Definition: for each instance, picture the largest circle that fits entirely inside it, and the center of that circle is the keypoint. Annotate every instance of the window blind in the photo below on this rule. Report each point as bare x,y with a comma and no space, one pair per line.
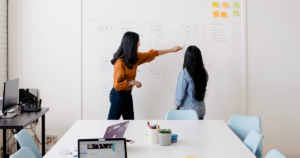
3,44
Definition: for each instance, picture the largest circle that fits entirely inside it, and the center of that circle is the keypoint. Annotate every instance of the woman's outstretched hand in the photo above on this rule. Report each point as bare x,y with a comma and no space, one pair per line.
176,48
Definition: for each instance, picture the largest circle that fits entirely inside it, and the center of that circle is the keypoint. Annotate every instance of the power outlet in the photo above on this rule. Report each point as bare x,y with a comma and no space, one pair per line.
48,138
54,138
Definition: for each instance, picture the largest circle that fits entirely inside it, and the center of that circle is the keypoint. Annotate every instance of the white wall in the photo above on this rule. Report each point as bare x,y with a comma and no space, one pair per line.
273,72
43,36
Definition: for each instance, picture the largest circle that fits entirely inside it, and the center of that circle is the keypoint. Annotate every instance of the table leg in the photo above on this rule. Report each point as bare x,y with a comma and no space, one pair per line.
4,143
18,145
43,135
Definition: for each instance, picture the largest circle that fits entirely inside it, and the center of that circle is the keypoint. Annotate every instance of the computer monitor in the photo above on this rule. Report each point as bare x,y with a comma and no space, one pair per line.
109,147
10,97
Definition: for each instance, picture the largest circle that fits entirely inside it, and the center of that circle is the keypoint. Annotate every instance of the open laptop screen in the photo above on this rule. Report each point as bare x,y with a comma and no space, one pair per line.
102,148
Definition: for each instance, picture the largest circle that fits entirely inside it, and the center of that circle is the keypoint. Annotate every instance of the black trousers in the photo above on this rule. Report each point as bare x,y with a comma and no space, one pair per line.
121,104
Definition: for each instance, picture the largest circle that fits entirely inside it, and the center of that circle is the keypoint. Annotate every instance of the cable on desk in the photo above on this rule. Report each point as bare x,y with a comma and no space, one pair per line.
9,137
33,131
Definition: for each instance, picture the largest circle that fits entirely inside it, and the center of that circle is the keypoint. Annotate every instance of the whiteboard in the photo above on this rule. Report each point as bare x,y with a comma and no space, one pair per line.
162,24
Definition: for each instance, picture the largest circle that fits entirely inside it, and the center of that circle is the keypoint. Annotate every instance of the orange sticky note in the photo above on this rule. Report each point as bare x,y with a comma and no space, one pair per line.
225,5
223,14
191,157
216,14
215,4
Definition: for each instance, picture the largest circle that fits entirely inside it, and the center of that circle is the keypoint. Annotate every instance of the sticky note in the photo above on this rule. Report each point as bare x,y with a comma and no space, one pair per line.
236,13
216,14
236,5
215,4
223,14
191,157
225,5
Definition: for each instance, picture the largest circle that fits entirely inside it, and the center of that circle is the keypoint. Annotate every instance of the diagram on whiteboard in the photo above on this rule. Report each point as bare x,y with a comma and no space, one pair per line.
154,69
163,35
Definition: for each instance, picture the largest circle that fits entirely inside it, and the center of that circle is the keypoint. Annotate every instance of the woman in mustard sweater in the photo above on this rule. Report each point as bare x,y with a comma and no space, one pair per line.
125,61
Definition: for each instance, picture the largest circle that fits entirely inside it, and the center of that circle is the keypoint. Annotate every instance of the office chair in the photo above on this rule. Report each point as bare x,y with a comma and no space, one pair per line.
181,115
25,140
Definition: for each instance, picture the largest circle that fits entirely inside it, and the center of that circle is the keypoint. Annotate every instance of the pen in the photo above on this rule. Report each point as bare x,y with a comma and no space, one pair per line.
182,47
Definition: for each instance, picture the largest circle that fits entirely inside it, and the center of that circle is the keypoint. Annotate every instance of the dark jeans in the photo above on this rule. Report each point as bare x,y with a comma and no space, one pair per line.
121,104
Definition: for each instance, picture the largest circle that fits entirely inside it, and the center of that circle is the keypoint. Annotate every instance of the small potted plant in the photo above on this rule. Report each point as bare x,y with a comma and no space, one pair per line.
165,136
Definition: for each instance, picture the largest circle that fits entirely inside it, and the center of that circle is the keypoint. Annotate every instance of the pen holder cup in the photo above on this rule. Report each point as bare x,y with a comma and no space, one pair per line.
153,136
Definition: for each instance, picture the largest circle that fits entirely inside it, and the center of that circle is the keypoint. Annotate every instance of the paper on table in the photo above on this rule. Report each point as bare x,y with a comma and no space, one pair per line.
223,14
236,5
215,4
195,157
216,14
236,13
187,157
225,5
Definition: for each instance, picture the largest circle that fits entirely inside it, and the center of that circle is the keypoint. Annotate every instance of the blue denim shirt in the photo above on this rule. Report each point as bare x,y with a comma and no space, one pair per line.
185,91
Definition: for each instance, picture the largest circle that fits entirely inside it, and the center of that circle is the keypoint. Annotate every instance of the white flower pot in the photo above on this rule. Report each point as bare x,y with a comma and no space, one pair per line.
165,139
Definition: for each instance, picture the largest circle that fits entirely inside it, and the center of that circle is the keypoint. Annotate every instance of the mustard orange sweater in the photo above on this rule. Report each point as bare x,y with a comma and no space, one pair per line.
122,74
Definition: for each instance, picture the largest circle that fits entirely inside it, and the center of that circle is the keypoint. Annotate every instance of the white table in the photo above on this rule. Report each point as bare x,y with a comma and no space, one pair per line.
208,138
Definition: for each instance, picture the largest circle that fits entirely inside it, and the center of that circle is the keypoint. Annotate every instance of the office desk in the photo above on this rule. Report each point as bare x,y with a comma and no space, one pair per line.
22,120
208,138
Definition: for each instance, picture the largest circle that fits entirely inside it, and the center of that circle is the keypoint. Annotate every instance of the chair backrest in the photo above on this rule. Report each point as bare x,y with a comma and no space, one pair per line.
241,125
181,115
25,140
24,152
274,153
252,140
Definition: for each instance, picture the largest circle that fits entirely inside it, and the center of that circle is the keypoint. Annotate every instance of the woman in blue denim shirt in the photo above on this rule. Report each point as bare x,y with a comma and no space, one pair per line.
192,82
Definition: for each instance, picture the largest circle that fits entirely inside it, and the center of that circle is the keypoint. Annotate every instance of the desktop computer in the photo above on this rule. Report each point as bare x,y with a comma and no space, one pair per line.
10,98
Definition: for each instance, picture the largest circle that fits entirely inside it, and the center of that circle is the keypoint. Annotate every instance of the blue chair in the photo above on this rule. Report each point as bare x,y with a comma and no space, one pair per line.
23,153
252,140
25,140
241,125
181,115
274,153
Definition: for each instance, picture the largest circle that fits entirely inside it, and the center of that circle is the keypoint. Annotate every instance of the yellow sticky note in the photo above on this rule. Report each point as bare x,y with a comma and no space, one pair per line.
236,5
215,4
225,5
236,13
223,14
216,14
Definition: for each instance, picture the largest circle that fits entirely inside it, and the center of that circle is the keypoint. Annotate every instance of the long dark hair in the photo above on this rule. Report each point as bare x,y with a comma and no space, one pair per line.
127,50
194,64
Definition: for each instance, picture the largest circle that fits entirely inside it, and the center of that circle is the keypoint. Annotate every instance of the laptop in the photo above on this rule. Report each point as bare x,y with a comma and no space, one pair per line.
116,131
102,148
